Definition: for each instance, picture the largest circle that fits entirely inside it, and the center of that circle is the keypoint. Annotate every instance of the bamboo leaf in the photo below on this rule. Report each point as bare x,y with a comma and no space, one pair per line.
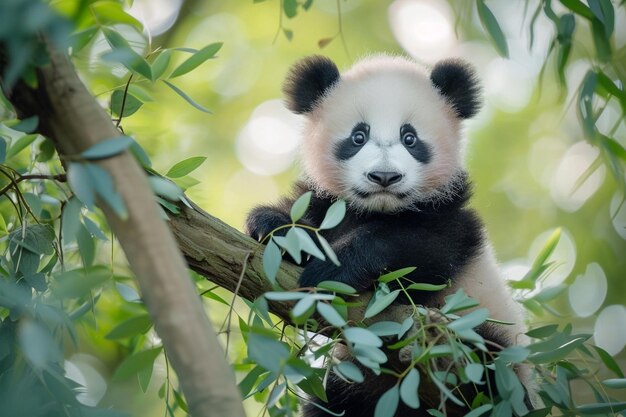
196,59
186,97
185,167
491,25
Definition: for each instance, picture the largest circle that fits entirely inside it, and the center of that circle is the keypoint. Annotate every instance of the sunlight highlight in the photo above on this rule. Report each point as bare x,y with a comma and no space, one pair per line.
267,144
423,28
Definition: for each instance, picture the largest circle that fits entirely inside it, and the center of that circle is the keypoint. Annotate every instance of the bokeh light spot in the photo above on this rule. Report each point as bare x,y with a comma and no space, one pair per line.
157,16
423,28
566,189
267,144
588,291
609,332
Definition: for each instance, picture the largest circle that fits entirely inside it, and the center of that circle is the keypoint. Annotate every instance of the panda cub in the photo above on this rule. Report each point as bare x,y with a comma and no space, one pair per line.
385,136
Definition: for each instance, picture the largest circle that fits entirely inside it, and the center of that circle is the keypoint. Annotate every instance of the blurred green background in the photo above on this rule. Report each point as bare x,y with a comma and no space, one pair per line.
525,152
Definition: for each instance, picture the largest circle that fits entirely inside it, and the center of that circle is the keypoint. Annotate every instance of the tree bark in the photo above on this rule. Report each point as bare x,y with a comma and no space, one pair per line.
217,251
73,119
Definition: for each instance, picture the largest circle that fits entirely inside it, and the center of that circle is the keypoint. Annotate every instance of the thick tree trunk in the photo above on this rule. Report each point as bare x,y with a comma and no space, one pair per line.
73,119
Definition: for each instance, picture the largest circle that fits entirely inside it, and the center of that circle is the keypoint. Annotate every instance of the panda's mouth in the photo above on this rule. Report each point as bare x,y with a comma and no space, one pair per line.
368,194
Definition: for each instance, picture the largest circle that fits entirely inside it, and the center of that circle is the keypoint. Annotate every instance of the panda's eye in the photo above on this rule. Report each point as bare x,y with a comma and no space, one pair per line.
359,138
409,139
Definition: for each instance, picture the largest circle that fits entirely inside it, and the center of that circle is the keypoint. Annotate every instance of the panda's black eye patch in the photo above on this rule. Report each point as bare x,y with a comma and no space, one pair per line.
350,146
416,147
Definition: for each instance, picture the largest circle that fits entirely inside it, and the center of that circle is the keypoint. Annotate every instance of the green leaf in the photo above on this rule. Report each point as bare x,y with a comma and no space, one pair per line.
80,39
603,11
46,151
615,383
102,183
86,245
457,302
543,331
131,103
20,144
185,167
608,361
94,229
186,97
271,354
474,372
38,239
290,7
284,295
165,188
38,344
601,408
409,389
328,250
77,283
578,7
303,309
125,55
112,12
271,261
469,320
394,275
427,287
196,59
160,64
3,149
140,155
28,125
601,41
479,411
336,286
514,354
550,293
334,215
380,302
314,387
307,244
135,363
490,23
330,315
299,206
144,377
349,371
131,327
559,353
127,292
388,403
291,244
108,148
288,34
358,335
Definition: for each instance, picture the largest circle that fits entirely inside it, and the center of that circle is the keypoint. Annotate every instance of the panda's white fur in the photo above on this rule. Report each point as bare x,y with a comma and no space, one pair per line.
386,93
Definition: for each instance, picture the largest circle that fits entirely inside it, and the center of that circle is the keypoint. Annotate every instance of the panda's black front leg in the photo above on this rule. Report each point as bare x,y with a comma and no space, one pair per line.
263,220
362,260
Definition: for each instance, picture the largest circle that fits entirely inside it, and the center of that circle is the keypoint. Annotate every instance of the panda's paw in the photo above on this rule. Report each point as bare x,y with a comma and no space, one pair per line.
264,220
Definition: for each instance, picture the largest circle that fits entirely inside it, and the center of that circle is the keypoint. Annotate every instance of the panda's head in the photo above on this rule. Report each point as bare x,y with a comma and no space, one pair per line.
385,134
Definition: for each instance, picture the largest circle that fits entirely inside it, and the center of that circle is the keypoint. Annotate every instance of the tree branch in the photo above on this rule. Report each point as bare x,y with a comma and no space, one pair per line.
217,251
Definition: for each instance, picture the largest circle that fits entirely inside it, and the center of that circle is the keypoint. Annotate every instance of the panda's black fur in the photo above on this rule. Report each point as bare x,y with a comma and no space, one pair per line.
432,229
369,243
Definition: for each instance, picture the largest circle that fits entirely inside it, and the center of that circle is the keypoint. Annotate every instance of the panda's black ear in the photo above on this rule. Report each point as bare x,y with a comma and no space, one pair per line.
456,80
307,82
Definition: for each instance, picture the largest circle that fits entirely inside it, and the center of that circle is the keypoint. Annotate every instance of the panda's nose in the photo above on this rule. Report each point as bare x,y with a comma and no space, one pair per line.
384,178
